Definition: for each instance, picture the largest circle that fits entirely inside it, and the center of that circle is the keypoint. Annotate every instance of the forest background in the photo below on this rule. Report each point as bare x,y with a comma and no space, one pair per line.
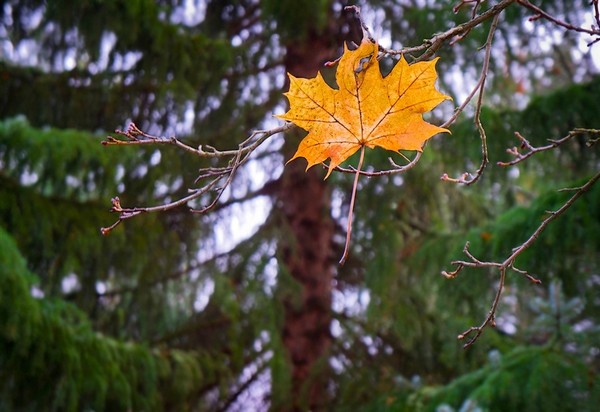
244,307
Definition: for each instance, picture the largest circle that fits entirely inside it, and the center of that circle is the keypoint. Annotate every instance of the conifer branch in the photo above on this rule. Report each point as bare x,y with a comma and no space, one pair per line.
244,386
173,276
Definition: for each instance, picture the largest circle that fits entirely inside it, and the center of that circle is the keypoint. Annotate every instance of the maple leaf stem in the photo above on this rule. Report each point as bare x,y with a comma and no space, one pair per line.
352,199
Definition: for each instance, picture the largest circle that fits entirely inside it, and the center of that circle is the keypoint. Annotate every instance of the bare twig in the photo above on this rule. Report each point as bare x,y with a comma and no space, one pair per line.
466,178
519,156
509,262
430,46
596,16
128,213
539,13
476,4
134,136
396,167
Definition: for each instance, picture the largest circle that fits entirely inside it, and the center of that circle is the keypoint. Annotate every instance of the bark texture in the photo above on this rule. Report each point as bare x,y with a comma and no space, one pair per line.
307,253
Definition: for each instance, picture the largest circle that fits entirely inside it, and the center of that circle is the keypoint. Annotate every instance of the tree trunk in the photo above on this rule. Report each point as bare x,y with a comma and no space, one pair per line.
303,198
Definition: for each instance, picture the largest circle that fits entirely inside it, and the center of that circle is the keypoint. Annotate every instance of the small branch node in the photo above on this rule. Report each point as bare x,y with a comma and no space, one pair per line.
454,273
116,204
466,178
106,230
535,17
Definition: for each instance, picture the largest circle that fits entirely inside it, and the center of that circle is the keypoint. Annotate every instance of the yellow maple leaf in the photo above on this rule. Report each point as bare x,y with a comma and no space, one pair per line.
366,110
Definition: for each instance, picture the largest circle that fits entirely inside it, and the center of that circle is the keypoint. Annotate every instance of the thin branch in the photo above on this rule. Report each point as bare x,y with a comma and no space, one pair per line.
509,262
455,9
596,15
128,213
237,162
466,178
396,167
134,136
531,150
476,4
539,13
430,46
491,316
552,215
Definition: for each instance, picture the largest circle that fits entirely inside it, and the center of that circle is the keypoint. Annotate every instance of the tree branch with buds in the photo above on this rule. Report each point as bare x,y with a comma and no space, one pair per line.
216,178
520,156
509,262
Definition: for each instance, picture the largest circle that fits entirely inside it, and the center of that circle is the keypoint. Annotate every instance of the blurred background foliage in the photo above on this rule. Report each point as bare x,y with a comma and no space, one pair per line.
175,311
